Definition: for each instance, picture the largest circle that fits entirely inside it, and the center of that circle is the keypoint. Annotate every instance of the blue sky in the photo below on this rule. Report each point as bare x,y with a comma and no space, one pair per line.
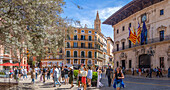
90,7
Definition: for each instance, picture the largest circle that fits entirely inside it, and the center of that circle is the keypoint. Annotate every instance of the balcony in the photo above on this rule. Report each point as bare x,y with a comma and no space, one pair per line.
85,48
150,41
79,39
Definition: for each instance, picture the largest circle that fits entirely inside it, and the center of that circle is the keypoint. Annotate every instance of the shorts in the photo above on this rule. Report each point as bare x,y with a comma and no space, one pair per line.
83,80
118,85
66,76
80,78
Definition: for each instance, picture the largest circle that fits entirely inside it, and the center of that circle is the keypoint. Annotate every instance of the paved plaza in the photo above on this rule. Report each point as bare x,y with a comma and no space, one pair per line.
131,83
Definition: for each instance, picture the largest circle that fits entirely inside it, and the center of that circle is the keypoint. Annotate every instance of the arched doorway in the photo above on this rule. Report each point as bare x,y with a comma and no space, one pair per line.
144,61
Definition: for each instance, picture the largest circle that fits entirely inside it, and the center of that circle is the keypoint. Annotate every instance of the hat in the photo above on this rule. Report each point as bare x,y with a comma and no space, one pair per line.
71,67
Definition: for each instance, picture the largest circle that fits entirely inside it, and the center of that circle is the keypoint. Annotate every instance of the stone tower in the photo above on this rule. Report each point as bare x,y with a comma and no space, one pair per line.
97,23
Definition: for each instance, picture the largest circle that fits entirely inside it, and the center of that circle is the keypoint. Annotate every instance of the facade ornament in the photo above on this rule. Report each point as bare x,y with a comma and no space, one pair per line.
123,55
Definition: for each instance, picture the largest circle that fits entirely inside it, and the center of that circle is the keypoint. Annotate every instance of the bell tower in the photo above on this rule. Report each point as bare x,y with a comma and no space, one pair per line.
97,23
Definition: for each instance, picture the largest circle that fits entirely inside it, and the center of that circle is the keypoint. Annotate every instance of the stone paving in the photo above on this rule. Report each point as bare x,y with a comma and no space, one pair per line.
131,83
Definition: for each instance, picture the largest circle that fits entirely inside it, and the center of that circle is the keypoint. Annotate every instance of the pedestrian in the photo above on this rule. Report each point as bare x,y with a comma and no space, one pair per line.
81,69
89,76
59,68
108,74
83,79
137,70
99,72
147,71
36,72
20,73
62,74
48,73
56,76
11,73
140,72
66,75
117,78
71,76
150,73
132,70
24,71
33,76
16,74
169,72
44,73
41,74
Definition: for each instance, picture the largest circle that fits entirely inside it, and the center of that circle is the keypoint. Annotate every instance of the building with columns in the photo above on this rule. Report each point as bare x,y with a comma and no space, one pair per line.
155,52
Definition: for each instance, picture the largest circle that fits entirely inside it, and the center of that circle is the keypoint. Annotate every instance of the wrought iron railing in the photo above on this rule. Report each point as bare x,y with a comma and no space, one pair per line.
150,41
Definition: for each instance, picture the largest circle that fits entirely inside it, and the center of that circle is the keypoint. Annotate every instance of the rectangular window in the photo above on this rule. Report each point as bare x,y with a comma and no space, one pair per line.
123,45
129,25
82,37
130,63
82,45
68,61
89,45
82,61
117,31
75,37
161,62
162,35
89,38
162,12
123,28
117,47
75,45
75,61
75,31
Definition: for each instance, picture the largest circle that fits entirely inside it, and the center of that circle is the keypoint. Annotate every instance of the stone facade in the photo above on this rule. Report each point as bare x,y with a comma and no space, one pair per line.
157,48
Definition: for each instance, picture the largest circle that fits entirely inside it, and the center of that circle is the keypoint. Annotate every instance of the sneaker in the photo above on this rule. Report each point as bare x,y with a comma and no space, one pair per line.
59,85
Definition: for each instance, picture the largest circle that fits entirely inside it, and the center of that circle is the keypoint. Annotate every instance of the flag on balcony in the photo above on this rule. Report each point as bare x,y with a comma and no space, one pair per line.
144,34
138,33
132,37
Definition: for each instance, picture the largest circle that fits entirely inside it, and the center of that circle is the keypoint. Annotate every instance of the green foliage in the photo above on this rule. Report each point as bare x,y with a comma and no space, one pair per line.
94,77
76,73
33,25
2,73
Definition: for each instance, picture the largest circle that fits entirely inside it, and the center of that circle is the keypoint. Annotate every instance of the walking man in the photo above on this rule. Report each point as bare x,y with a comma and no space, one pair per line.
108,73
56,75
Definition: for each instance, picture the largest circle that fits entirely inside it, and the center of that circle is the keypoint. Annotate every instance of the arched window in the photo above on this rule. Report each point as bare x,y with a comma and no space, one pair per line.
82,54
89,54
75,53
75,37
82,31
89,62
68,44
68,53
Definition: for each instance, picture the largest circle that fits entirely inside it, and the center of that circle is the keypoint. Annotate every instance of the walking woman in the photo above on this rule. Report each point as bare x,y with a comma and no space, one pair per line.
89,77
83,79
118,76
11,73
48,73
99,84
70,74
62,74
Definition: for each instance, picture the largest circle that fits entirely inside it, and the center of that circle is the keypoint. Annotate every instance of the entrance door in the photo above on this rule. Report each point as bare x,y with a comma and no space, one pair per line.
144,61
123,64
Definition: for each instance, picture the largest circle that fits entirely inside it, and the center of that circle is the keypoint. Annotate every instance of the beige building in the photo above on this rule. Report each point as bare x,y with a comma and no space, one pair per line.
155,52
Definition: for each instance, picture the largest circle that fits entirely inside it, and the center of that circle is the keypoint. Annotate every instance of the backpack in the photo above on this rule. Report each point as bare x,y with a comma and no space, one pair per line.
66,71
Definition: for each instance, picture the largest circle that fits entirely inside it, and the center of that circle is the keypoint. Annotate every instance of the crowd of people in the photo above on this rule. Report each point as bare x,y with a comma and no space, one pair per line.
65,75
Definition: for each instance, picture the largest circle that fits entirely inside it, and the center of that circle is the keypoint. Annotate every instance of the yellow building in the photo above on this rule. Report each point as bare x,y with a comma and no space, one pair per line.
85,45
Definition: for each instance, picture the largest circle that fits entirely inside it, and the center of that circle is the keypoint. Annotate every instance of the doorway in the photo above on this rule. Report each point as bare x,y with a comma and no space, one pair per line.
144,61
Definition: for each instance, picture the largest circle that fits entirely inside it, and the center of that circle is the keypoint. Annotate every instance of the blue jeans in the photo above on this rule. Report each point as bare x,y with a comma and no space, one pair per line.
48,77
25,75
56,80
36,75
32,80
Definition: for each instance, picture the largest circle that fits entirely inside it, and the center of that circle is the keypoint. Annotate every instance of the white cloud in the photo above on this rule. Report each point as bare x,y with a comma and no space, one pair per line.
107,12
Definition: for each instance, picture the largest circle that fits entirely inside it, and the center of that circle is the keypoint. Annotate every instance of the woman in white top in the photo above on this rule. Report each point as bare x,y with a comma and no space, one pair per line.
99,84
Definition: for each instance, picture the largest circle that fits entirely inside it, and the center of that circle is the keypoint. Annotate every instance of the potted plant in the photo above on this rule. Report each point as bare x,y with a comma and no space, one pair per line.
94,79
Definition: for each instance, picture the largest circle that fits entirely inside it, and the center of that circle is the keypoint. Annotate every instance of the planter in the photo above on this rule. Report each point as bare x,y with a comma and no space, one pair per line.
94,83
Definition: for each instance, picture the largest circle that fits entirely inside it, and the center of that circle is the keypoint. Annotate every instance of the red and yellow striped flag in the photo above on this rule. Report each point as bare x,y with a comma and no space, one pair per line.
138,33
132,36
